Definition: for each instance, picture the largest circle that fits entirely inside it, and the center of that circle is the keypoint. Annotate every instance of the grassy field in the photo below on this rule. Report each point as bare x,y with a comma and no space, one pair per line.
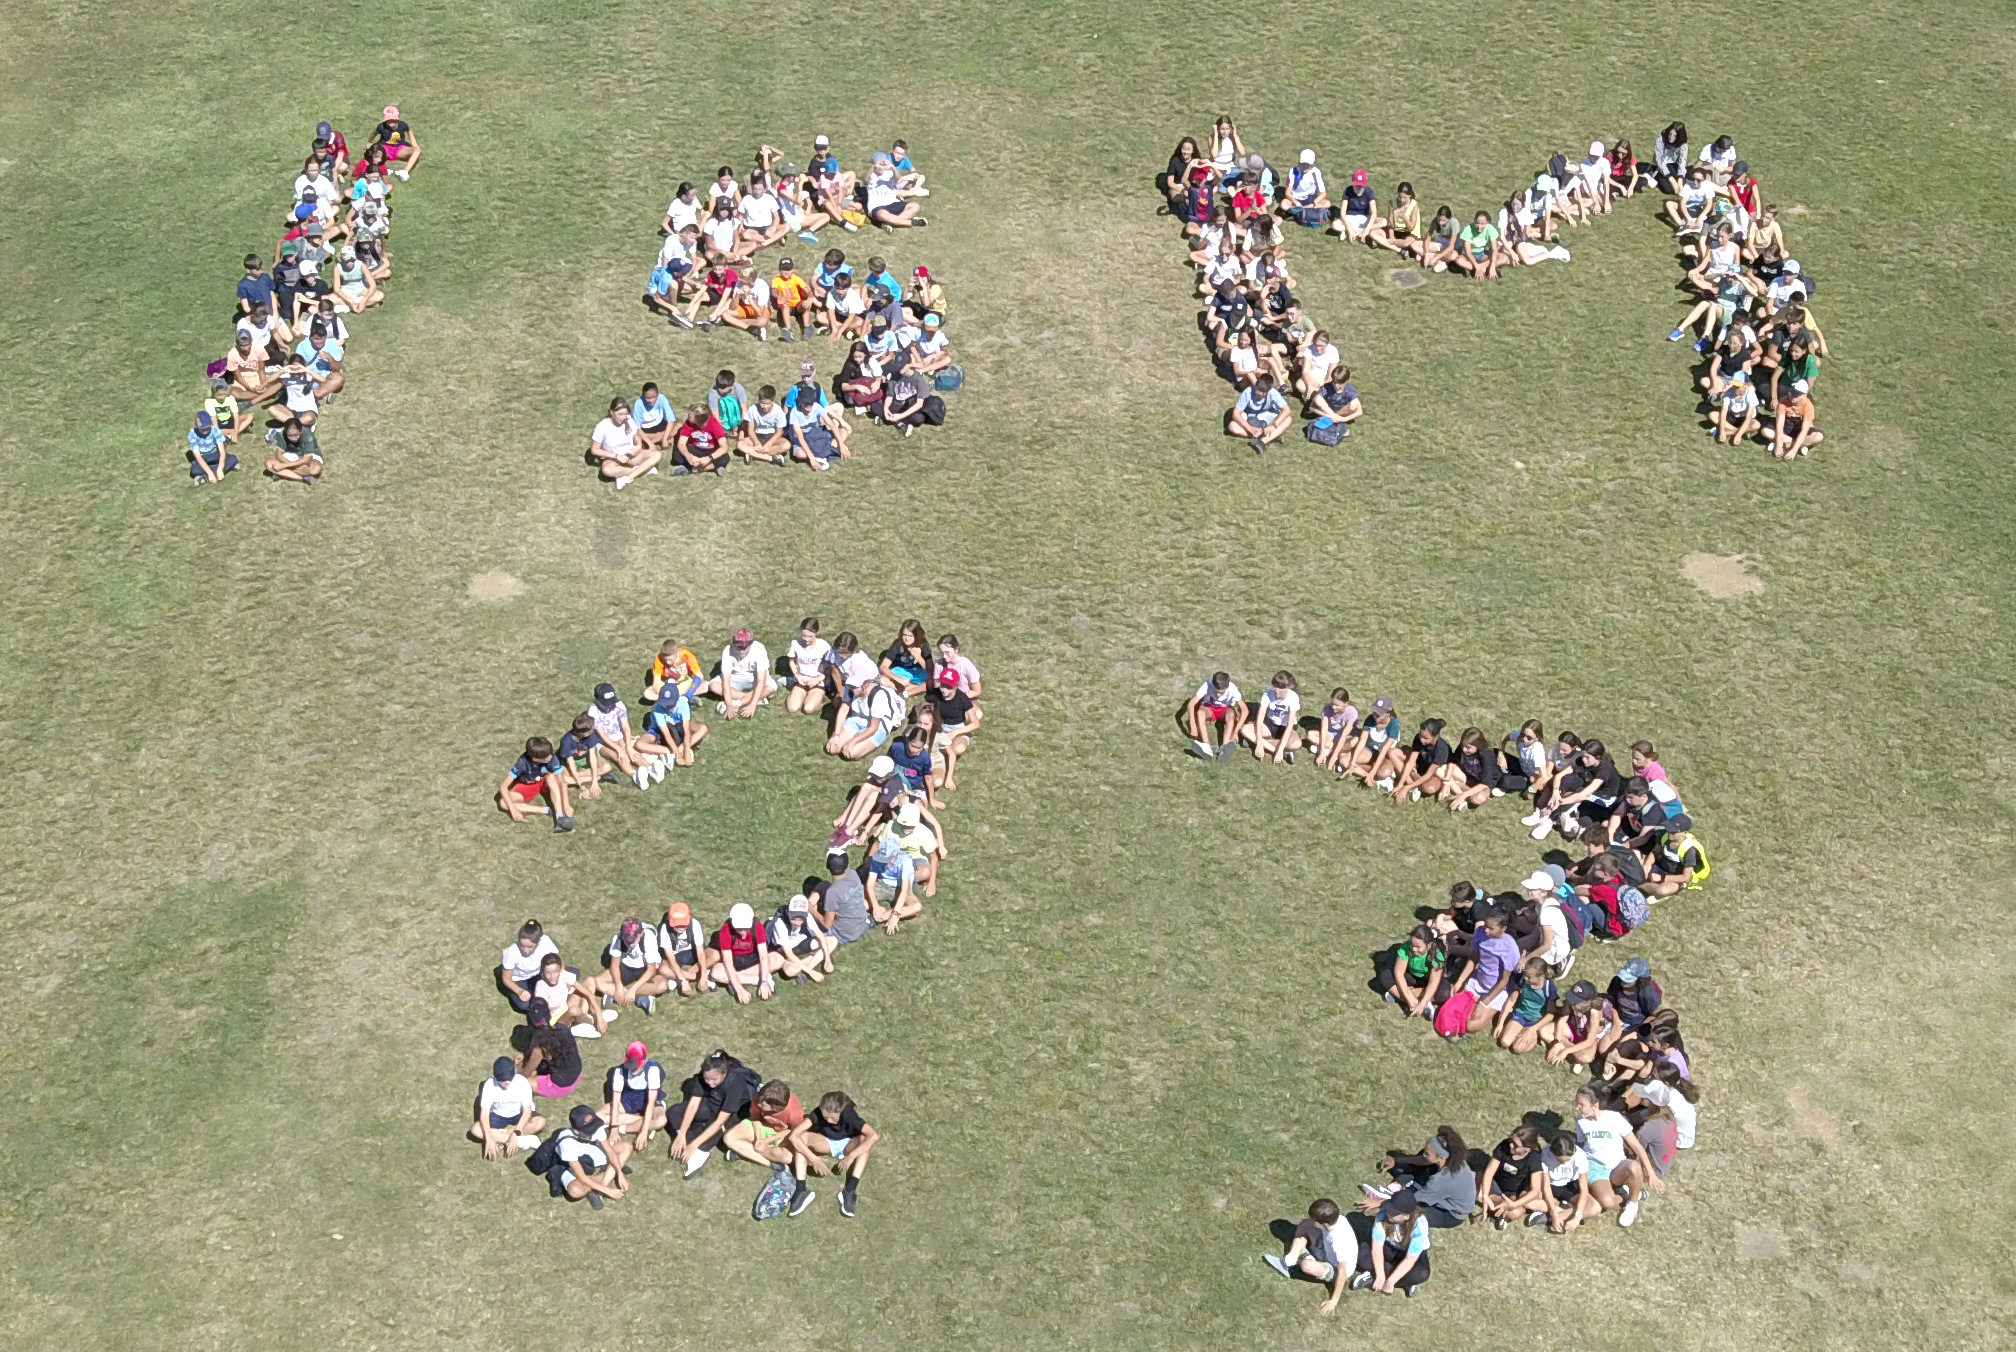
254,887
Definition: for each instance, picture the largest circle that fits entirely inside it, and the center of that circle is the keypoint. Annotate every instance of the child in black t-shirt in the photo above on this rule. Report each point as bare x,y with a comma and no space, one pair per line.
538,773
841,1140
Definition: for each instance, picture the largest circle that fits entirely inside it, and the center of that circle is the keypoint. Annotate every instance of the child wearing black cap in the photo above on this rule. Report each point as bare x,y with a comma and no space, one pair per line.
506,1119
591,1160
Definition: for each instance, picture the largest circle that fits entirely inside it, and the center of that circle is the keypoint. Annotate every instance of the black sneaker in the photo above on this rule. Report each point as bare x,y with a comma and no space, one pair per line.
800,1199
595,1200
1500,1223
1361,1281
1537,1218
847,1203
563,823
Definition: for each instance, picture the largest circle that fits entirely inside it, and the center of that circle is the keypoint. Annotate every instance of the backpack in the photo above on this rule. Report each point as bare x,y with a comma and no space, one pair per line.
949,379
1453,1019
775,1198
933,412
1632,908
1313,217
730,412
1326,431
1578,929
545,1161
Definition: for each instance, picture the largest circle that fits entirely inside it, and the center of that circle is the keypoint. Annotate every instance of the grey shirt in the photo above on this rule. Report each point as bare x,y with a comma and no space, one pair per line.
847,903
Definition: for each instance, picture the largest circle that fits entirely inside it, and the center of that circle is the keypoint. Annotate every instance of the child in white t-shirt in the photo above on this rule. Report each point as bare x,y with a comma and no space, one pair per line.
506,1119
1274,735
807,656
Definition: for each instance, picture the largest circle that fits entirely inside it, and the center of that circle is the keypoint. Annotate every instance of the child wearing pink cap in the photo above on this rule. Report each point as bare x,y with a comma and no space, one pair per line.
395,137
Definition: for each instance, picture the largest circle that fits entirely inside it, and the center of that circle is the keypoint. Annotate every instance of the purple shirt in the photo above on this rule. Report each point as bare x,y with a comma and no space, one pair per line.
1495,957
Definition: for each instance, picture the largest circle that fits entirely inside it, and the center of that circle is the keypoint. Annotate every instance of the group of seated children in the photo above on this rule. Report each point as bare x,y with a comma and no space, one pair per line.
912,715
891,378
293,313
1260,339
723,1106
1615,1148
1753,313
1754,317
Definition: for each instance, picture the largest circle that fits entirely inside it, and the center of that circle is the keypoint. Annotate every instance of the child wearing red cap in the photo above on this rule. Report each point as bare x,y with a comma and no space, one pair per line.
635,1102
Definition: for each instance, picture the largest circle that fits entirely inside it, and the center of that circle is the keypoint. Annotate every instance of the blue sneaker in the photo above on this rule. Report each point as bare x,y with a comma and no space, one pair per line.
808,236
1700,344
1277,1262
1676,335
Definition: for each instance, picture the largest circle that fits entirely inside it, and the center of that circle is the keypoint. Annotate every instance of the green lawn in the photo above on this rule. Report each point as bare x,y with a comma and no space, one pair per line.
255,888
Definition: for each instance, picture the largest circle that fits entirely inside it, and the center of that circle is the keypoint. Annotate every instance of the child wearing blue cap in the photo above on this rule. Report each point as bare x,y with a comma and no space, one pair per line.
209,462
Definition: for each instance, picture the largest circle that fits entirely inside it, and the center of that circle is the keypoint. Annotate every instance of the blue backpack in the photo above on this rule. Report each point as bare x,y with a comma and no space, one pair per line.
949,379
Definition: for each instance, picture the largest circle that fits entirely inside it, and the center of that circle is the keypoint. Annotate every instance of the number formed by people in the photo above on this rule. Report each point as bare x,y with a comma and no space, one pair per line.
1753,323
329,265
897,364
1495,966
910,713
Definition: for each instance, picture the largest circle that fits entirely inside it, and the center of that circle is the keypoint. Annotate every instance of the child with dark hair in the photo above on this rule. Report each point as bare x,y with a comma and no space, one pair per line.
840,1140
538,773
1439,1181
1323,1249
1413,974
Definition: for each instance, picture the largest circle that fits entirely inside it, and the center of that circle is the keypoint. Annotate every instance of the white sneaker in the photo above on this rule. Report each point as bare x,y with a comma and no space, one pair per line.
1497,793
642,778
622,482
402,174
1540,831
657,768
1378,1192
921,192
1414,796
1533,819
1629,1214
611,1016
587,1030
526,1142
652,470
1386,784
695,1160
